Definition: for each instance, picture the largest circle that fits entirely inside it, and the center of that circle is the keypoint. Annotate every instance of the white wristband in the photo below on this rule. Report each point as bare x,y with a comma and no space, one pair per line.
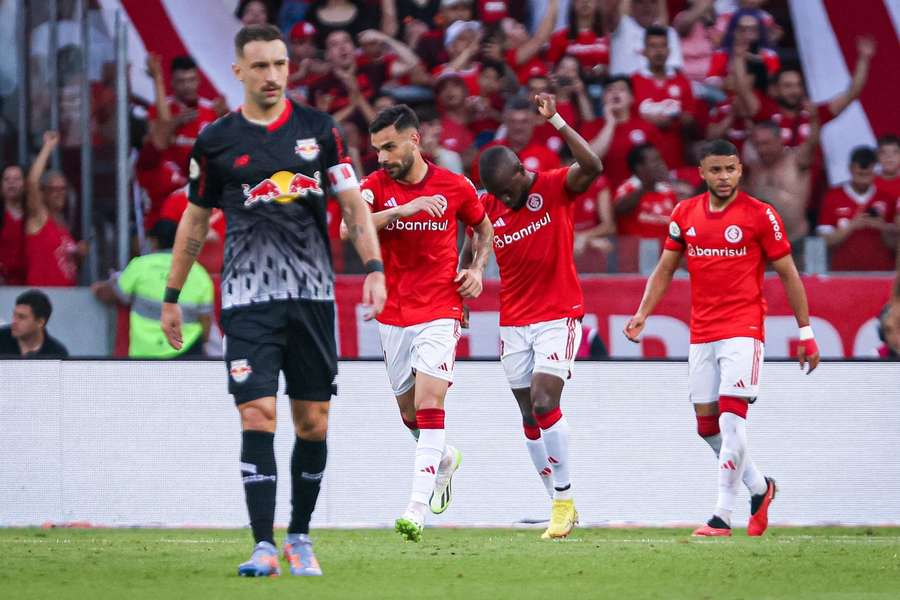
806,333
557,121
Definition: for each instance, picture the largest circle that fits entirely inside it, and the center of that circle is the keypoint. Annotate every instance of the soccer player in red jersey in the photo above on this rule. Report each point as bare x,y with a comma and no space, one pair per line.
728,237
415,207
541,303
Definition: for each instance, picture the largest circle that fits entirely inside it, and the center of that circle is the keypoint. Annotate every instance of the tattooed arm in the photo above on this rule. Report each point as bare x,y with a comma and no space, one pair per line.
189,240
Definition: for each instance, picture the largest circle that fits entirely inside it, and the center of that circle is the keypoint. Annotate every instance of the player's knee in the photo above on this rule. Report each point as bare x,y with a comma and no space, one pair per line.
255,418
543,400
312,429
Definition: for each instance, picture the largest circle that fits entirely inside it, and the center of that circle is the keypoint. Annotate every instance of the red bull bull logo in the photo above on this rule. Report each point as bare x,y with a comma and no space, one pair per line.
283,187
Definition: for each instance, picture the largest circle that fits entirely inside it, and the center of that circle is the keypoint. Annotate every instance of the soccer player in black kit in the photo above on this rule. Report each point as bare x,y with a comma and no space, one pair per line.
270,166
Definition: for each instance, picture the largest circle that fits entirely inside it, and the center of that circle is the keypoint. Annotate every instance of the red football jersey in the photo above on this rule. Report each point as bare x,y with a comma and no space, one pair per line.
51,256
631,133
12,250
650,218
533,246
718,64
739,130
669,97
185,136
590,49
864,249
419,252
586,213
726,257
890,188
795,128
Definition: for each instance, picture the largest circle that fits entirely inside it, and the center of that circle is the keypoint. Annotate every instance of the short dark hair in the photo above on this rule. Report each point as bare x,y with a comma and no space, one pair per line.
242,8
39,303
493,65
638,154
888,139
656,31
182,63
787,68
255,33
718,148
400,117
617,78
494,159
863,157
164,231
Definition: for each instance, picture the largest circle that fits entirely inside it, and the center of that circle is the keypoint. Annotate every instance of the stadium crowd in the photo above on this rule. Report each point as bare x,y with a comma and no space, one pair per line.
645,82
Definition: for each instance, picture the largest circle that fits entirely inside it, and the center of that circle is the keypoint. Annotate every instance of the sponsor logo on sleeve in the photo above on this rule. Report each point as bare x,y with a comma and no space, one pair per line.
193,169
776,228
674,230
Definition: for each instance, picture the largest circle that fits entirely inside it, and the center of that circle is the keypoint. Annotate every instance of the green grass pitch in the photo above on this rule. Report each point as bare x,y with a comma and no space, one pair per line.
158,564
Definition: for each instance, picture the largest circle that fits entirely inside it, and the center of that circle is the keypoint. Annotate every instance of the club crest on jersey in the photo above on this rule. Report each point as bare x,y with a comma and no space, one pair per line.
535,202
674,229
240,370
282,187
307,148
733,234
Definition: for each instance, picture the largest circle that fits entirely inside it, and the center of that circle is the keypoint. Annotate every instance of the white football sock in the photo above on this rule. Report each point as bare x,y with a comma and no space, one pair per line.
538,453
752,477
556,440
429,450
731,462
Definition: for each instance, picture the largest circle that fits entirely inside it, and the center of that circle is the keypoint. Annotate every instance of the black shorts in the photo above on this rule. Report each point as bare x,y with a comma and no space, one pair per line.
294,336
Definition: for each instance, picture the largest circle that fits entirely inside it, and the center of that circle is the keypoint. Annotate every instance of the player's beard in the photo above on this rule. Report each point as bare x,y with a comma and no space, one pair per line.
398,172
715,194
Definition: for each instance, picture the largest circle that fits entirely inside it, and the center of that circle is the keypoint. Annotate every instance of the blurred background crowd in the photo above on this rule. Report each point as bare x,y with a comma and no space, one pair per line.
645,81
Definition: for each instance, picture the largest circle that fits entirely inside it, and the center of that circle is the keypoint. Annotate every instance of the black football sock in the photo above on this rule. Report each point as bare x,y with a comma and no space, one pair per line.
307,469
259,474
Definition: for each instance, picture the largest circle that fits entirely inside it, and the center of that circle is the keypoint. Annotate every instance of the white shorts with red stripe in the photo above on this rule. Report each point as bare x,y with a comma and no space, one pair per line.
547,347
729,367
428,347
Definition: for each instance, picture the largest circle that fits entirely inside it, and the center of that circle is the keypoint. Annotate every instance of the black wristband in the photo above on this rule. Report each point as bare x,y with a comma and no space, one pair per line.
171,295
374,266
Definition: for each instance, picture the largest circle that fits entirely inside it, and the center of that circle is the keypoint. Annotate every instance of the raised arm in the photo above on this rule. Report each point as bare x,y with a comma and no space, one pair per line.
806,153
684,21
656,288
865,50
587,164
544,30
35,209
389,24
796,294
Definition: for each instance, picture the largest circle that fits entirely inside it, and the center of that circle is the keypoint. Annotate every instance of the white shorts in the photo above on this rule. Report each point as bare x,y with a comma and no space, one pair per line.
547,347
428,347
728,367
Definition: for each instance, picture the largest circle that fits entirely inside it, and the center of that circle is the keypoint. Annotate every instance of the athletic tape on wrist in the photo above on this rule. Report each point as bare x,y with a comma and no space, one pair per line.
557,121
806,333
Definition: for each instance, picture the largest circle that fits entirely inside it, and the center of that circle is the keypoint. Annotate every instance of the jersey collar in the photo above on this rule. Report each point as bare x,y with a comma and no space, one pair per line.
278,122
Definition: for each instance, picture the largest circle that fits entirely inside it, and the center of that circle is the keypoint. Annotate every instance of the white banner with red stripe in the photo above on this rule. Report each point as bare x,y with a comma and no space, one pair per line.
826,33
203,29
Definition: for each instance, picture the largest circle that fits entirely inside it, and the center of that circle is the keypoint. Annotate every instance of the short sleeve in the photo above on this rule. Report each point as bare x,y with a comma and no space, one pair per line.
827,214
772,234
471,211
204,183
368,192
557,180
675,240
